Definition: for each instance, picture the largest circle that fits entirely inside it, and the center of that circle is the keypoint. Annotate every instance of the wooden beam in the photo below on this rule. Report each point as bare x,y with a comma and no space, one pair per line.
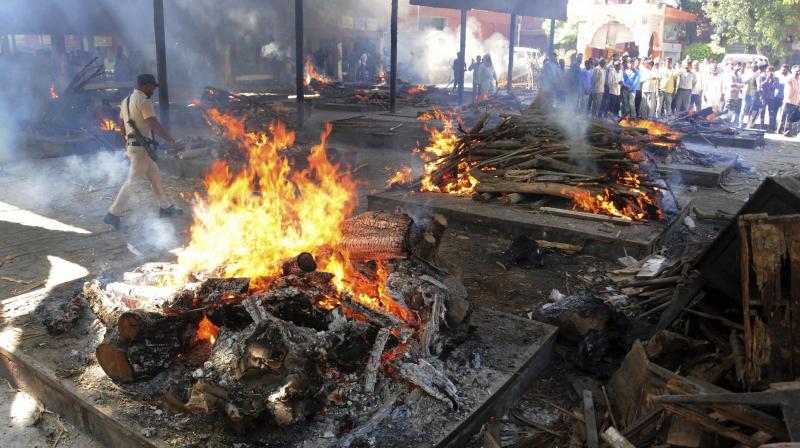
586,216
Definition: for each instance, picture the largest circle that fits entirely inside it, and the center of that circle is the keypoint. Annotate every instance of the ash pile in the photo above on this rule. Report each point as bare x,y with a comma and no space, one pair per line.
295,353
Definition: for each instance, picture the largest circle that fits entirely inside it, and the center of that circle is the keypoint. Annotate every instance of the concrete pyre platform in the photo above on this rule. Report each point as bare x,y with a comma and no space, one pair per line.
503,354
597,238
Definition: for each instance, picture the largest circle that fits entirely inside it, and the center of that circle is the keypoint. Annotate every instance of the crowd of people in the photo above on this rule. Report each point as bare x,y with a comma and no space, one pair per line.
484,76
746,94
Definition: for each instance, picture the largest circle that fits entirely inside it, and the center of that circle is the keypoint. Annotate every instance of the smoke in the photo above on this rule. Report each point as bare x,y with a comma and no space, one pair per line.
427,55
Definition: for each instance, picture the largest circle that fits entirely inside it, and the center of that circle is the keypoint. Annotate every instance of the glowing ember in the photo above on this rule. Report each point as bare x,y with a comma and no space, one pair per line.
440,144
252,220
633,203
417,89
401,177
311,73
108,125
53,93
207,331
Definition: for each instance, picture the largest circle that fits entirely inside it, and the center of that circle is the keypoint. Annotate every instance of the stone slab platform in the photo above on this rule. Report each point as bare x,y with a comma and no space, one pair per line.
597,238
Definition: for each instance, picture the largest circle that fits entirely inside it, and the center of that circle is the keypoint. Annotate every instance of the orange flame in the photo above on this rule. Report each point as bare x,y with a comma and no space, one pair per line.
108,125
635,205
654,128
207,331
440,145
311,73
417,89
53,93
252,220
400,177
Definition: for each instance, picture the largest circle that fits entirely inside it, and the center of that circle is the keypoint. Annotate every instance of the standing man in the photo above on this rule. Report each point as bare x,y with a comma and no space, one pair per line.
791,101
137,116
649,77
733,94
459,68
666,89
586,87
598,87
783,75
550,75
475,68
631,83
614,86
686,82
767,91
697,91
714,93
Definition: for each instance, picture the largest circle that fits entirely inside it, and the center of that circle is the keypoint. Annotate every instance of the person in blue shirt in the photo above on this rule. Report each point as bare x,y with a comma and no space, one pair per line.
631,84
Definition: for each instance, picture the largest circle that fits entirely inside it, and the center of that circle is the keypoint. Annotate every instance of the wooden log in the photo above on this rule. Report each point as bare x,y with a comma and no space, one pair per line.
425,376
141,344
102,304
615,439
378,236
700,418
543,188
299,265
428,246
371,371
590,420
584,215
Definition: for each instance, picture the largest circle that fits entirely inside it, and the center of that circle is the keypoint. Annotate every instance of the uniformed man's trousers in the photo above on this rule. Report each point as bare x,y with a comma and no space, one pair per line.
142,166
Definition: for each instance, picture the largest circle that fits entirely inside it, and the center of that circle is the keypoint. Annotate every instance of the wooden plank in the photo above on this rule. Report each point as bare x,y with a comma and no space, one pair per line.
590,419
585,215
698,417
25,373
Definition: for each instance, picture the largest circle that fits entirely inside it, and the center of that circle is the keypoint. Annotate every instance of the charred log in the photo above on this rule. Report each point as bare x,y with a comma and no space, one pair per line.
299,265
139,344
377,236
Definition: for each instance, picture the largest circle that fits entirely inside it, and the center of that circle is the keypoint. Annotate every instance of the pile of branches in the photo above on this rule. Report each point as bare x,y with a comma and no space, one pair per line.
408,95
543,153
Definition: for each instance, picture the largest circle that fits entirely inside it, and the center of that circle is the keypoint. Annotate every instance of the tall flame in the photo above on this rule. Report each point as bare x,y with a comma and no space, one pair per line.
265,213
250,221
440,145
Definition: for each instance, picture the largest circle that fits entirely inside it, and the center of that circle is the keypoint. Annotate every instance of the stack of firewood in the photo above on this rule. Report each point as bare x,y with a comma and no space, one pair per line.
543,153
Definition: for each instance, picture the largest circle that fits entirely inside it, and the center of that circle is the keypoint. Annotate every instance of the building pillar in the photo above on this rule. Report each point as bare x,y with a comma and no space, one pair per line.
299,65
161,61
463,47
393,62
512,42
552,42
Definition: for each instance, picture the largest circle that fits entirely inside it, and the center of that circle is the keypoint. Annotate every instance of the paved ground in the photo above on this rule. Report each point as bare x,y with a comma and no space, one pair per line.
50,228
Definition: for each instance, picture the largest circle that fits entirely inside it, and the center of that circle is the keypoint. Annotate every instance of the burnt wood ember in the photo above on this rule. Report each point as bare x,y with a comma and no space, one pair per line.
301,264
215,288
141,344
524,251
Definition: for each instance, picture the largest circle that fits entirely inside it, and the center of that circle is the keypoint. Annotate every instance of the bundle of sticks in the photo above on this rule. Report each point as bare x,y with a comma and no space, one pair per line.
260,110
541,152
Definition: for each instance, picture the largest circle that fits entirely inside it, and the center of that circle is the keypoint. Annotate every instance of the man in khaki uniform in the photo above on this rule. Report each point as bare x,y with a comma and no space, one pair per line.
143,114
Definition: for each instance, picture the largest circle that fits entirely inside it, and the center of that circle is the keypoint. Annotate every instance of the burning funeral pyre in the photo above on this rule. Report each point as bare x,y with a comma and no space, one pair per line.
601,167
282,305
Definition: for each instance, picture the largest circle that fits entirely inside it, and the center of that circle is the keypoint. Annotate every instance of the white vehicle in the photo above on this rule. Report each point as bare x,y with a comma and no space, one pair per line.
743,58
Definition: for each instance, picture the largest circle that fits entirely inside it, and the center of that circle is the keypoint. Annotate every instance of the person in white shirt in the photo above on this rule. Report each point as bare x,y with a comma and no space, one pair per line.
713,95
733,94
686,82
614,87
598,88
649,89
697,91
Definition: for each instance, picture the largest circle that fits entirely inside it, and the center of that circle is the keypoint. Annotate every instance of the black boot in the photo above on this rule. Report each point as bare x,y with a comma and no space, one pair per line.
113,220
169,212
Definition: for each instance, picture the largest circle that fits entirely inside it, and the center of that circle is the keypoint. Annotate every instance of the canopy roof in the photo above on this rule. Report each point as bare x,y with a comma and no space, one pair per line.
548,9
